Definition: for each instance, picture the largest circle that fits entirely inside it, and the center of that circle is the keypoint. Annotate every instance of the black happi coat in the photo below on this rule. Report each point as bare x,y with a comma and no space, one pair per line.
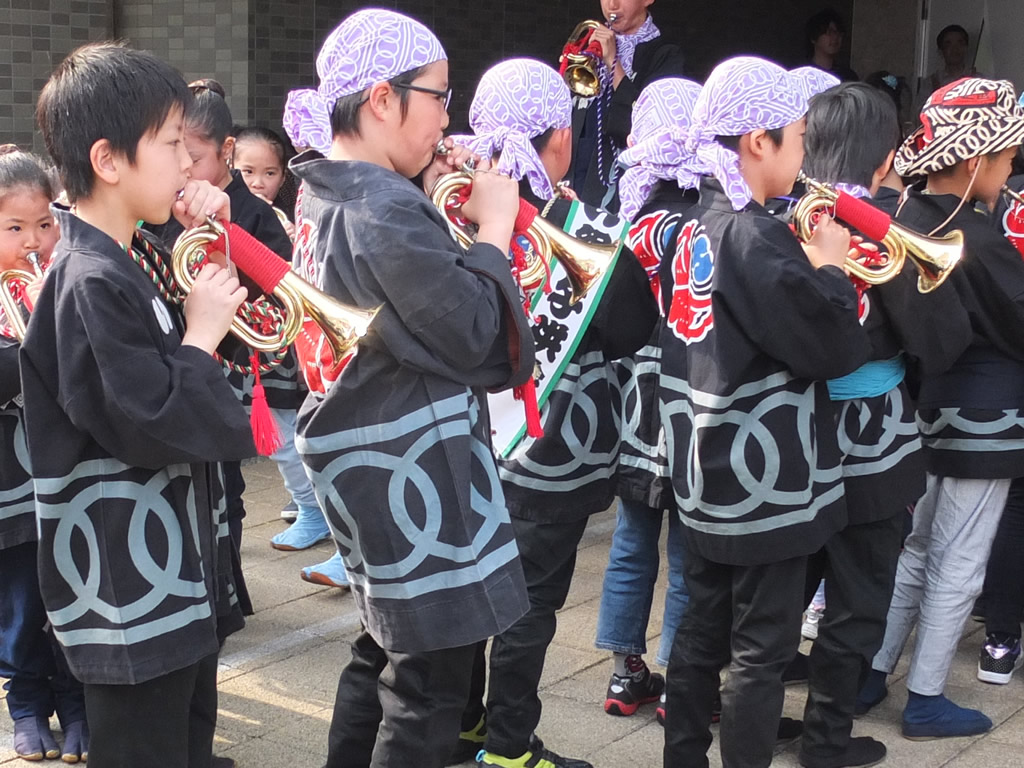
653,60
17,504
751,431
123,422
883,466
643,472
570,472
399,448
972,416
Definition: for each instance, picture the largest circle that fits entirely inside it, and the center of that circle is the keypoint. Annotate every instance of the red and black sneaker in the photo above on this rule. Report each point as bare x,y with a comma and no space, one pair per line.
659,713
627,693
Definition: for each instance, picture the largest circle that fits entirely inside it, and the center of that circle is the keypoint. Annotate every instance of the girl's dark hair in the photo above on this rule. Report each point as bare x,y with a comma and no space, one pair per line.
258,133
23,169
104,91
209,115
818,25
851,129
950,29
733,142
345,115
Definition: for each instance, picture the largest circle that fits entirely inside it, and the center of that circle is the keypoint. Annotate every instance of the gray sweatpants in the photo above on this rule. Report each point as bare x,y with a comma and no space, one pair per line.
940,573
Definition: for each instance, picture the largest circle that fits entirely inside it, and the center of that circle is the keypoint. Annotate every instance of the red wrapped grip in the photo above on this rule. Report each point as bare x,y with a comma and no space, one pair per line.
527,213
863,217
254,259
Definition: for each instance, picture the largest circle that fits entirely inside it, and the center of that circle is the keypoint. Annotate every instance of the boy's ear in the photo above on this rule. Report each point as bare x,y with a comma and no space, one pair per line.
105,162
757,143
883,170
380,98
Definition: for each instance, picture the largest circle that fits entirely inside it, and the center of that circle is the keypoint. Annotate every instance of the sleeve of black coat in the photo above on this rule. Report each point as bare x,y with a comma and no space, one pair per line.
10,376
806,318
664,60
261,222
933,328
144,407
626,316
459,304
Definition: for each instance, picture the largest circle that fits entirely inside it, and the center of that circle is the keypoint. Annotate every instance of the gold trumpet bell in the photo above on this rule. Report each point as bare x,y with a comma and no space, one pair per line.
11,282
579,71
585,264
342,325
934,257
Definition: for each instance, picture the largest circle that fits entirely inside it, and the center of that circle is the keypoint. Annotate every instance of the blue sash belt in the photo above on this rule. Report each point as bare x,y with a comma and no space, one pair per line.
872,379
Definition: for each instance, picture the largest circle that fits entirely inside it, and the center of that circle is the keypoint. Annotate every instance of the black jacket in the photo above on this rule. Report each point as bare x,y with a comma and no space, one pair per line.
653,60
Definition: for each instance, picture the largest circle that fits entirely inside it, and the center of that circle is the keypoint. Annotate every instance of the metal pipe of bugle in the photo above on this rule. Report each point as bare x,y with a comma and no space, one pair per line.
1013,194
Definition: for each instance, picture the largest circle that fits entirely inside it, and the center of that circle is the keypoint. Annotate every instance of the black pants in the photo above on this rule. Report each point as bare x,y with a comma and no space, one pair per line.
1004,579
548,555
168,721
859,568
395,710
747,617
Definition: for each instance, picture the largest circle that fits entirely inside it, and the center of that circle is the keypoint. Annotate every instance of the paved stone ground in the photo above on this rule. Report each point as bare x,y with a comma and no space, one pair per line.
278,676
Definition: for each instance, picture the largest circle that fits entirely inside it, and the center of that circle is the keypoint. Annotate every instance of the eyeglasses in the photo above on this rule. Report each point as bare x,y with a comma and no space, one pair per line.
444,96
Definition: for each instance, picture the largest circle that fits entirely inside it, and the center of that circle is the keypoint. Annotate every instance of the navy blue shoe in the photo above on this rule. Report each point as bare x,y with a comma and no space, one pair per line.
936,717
871,694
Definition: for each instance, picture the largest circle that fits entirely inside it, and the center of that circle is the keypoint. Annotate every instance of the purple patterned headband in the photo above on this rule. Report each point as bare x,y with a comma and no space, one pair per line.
813,81
741,95
661,115
516,101
368,47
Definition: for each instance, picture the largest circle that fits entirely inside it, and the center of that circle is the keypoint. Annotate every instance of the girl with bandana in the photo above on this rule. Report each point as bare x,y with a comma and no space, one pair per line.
634,54
755,325
520,117
397,438
656,192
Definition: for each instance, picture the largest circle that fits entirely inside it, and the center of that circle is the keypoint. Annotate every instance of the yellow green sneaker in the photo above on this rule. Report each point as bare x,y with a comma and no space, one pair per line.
470,743
535,757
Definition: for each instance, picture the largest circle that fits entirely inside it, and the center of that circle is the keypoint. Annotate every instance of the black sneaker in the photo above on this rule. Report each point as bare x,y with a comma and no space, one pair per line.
999,658
535,757
796,671
789,731
626,694
716,710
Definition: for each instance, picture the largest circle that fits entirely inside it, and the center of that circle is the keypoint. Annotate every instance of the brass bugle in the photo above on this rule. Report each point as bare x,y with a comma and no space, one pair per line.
584,263
10,281
933,257
1013,194
341,324
581,72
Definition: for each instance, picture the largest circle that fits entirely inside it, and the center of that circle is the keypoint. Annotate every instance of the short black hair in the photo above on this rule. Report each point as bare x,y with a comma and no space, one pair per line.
104,91
209,115
259,133
345,115
541,141
819,23
733,142
850,130
951,28
23,169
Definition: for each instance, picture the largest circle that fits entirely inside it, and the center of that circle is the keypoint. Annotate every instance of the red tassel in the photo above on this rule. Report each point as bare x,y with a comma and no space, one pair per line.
528,394
265,432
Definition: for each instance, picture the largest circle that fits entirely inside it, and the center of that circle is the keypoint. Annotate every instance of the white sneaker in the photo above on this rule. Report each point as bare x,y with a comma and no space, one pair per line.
809,630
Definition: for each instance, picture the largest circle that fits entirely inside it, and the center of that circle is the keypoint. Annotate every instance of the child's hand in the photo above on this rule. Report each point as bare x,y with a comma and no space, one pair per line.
442,165
606,37
493,206
211,306
200,199
829,245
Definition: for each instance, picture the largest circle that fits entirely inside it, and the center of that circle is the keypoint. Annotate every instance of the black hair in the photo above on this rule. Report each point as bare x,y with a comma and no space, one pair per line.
951,28
258,133
104,91
19,170
208,115
851,129
883,80
818,25
541,142
733,142
345,115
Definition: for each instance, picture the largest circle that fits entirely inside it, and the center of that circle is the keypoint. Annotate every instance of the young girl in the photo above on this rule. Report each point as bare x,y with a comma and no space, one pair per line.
398,446
208,124
260,157
39,682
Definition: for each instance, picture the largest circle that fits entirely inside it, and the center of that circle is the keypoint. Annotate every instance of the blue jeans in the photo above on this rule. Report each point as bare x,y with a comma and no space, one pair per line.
296,481
629,582
39,680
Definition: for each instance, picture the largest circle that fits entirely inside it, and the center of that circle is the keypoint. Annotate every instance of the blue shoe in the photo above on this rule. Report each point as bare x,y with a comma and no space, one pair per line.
309,528
330,573
33,739
76,742
871,694
936,717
